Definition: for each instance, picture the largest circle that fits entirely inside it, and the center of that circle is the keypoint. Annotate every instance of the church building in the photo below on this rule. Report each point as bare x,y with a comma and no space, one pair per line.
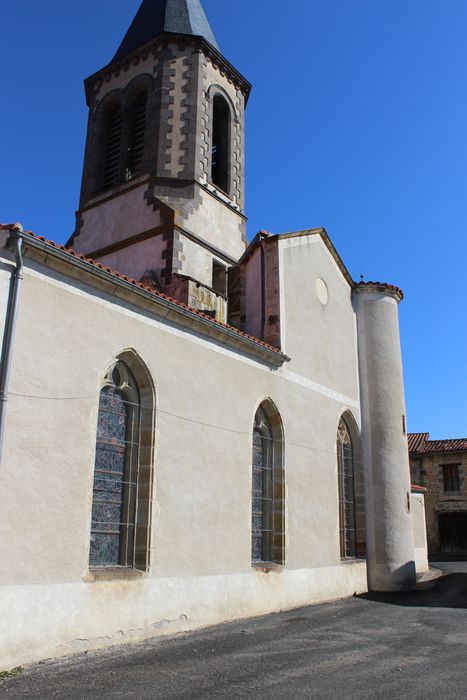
194,428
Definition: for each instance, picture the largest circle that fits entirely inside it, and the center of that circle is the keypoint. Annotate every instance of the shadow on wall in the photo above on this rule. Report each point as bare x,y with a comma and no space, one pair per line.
446,592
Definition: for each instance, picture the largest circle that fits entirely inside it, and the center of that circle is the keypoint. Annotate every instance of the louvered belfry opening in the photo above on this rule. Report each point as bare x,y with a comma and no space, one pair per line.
123,140
113,147
136,136
220,156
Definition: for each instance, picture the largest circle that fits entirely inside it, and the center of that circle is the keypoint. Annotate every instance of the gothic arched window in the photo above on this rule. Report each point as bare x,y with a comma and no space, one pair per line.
220,155
122,471
113,131
346,477
137,130
267,487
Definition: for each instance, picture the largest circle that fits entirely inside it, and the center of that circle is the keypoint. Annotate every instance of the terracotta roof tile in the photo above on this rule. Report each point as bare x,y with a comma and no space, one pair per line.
419,443
398,290
417,440
455,445
74,254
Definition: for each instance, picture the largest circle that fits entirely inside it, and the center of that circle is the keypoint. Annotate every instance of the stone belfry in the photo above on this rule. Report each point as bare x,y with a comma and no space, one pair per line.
162,195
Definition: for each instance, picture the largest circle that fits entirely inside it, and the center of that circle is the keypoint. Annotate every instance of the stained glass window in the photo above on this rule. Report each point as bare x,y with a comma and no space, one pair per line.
347,519
267,493
115,471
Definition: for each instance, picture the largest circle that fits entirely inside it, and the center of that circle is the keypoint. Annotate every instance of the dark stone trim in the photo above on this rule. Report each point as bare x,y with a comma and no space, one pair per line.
117,191
114,68
204,244
132,240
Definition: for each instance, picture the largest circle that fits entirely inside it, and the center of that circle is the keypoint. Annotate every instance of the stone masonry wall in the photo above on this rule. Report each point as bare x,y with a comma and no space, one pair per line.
427,471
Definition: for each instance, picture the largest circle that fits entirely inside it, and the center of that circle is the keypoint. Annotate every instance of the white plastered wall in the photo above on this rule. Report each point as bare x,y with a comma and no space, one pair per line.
417,508
200,574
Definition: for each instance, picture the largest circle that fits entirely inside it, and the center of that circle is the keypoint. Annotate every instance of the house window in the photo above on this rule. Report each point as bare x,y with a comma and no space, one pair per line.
122,484
220,155
267,487
347,514
451,480
113,146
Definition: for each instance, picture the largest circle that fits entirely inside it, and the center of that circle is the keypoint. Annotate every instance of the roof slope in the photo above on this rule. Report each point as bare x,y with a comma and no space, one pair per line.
155,17
91,264
420,443
416,441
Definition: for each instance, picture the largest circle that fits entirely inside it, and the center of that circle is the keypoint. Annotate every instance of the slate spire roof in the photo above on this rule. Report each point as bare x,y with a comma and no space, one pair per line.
155,17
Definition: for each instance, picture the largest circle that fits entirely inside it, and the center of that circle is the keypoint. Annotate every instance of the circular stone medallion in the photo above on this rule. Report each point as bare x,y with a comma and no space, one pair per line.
322,291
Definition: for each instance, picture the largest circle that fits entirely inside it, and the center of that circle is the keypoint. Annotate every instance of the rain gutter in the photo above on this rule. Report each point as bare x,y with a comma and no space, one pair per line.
15,241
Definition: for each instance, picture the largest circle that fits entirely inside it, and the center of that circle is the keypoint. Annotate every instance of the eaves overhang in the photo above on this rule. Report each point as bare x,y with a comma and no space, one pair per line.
267,237
77,266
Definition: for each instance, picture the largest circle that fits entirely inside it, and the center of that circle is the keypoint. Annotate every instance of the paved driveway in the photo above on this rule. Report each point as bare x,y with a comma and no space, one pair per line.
387,646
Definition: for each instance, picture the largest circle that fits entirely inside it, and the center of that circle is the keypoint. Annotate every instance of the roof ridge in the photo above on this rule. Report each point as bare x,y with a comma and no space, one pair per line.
74,254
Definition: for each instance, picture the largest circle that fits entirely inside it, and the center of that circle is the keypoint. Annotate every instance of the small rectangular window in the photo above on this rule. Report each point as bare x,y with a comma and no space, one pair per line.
404,425
219,277
451,479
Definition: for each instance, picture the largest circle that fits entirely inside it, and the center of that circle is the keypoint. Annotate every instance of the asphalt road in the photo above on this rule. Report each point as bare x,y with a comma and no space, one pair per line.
377,646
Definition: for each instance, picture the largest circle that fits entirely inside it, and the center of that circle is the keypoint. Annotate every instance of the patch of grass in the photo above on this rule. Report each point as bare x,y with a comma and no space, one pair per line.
14,672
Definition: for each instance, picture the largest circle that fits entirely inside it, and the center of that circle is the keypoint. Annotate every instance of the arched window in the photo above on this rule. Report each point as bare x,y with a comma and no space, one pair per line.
123,139
113,146
267,487
220,156
345,469
122,470
137,130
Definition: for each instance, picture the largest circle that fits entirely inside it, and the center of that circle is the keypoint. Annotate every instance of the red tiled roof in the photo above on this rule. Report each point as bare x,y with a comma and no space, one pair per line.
417,440
446,445
73,254
398,290
420,443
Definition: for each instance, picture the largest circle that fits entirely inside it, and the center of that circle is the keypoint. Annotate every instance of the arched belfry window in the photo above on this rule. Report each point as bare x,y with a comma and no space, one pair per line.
122,471
137,130
113,131
220,156
346,476
122,138
268,537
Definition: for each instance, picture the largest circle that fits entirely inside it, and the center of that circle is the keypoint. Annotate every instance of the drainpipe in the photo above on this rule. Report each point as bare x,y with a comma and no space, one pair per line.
262,236
15,242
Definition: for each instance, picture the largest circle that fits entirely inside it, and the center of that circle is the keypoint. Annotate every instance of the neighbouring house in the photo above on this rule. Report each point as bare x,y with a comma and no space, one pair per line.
440,467
198,428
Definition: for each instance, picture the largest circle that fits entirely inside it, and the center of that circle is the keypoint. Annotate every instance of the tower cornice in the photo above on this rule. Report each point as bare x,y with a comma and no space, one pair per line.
117,66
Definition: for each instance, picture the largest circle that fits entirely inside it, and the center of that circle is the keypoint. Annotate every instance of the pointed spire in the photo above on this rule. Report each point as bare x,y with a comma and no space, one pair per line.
155,17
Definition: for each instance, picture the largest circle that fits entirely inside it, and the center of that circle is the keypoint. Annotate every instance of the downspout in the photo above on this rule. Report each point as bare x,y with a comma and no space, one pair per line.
16,242
263,285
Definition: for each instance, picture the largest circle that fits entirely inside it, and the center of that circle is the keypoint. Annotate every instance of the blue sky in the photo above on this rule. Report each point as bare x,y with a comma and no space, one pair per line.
357,122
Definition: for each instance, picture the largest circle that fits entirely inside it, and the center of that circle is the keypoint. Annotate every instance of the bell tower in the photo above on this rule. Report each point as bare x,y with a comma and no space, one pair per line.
162,195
